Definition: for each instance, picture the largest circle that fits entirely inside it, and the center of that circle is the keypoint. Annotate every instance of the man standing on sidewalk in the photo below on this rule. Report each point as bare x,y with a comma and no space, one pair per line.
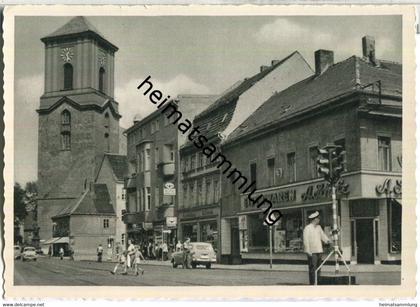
99,251
313,236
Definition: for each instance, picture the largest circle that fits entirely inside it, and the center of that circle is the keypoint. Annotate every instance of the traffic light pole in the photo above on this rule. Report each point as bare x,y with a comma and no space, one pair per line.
336,251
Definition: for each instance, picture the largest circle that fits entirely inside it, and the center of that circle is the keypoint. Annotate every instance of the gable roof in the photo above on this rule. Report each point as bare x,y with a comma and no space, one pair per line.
94,201
341,78
119,165
77,25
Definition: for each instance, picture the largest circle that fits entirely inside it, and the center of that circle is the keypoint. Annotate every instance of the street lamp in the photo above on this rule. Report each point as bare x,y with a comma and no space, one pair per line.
330,164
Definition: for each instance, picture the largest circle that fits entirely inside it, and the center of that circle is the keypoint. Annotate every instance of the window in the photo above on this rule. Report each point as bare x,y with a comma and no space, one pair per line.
102,79
148,199
106,223
342,143
313,157
152,128
157,200
123,194
208,192
384,153
157,125
123,239
185,196
193,162
192,195
147,161
270,172
65,130
394,222
139,166
200,160
171,154
216,190
253,173
107,131
291,167
156,157
200,192
68,76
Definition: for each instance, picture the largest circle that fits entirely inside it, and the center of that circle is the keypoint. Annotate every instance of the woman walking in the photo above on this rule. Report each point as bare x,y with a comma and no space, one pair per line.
123,261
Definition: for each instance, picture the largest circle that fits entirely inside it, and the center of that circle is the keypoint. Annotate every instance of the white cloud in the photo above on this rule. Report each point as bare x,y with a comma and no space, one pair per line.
282,31
132,101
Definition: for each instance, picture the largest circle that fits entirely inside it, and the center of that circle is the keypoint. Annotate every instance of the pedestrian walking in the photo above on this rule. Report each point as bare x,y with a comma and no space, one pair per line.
122,260
164,251
71,253
313,236
61,252
186,254
138,256
99,251
50,252
130,253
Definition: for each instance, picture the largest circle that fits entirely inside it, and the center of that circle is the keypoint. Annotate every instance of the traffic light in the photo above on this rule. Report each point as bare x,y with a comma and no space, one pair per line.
338,160
323,163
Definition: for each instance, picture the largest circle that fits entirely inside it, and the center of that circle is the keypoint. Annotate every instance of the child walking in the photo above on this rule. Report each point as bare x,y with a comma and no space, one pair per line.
121,261
137,256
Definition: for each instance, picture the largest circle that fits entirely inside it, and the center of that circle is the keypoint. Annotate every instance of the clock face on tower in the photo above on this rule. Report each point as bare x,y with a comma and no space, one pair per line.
102,58
67,54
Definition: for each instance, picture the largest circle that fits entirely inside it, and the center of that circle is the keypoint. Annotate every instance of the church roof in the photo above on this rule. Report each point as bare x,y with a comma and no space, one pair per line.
94,201
118,163
78,25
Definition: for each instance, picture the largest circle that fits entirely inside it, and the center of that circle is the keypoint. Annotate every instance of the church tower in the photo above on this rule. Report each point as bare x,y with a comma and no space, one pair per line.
78,116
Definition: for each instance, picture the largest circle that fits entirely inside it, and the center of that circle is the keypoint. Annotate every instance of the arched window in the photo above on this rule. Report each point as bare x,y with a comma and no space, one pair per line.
107,131
102,79
65,130
68,76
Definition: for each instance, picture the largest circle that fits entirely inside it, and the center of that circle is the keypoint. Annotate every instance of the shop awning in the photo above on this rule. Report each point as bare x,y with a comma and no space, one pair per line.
50,241
62,240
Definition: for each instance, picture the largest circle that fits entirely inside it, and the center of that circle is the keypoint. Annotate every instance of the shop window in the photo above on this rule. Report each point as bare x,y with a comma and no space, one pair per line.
353,243
253,173
384,153
190,231
106,223
376,237
394,226
291,167
271,172
209,233
313,157
288,236
258,233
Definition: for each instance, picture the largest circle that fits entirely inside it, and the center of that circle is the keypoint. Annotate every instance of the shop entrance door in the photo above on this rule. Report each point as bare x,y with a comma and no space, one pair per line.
365,241
235,252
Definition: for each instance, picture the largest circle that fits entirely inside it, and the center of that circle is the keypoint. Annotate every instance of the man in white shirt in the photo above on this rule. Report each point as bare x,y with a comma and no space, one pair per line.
313,236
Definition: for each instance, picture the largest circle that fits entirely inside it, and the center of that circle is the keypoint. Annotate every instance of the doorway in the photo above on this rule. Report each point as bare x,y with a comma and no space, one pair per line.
235,244
365,241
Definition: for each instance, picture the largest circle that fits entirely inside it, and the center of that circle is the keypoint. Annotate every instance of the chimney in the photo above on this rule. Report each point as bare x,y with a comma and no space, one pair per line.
368,43
274,62
323,60
264,67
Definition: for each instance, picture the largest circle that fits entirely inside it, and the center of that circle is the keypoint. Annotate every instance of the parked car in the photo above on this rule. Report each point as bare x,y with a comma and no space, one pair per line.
201,253
29,253
17,251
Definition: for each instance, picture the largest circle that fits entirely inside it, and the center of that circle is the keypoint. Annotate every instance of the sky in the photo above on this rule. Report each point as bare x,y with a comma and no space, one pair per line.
186,55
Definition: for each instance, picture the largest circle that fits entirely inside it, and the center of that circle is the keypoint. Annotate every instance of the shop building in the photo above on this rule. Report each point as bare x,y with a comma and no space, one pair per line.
356,103
200,188
151,187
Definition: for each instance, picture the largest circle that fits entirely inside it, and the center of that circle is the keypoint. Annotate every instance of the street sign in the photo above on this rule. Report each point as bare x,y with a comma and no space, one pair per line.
169,189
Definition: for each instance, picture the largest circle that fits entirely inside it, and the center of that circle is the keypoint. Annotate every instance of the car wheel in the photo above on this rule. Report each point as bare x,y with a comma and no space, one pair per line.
35,259
208,265
174,265
194,265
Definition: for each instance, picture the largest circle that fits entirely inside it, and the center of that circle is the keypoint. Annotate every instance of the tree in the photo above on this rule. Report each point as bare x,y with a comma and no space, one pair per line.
19,202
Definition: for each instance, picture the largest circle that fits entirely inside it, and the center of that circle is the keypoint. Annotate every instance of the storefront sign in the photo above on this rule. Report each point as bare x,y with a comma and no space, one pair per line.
389,189
148,226
243,222
169,189
171,221
298,195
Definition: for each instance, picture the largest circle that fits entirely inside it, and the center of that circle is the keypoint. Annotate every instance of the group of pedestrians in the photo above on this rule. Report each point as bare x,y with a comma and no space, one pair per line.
130,258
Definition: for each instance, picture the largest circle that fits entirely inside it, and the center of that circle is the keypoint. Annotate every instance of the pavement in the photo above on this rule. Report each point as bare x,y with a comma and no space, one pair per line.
52,271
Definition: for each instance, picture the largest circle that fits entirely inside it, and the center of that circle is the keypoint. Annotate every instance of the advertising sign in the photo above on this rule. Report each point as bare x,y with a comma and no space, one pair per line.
171,221
169,189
